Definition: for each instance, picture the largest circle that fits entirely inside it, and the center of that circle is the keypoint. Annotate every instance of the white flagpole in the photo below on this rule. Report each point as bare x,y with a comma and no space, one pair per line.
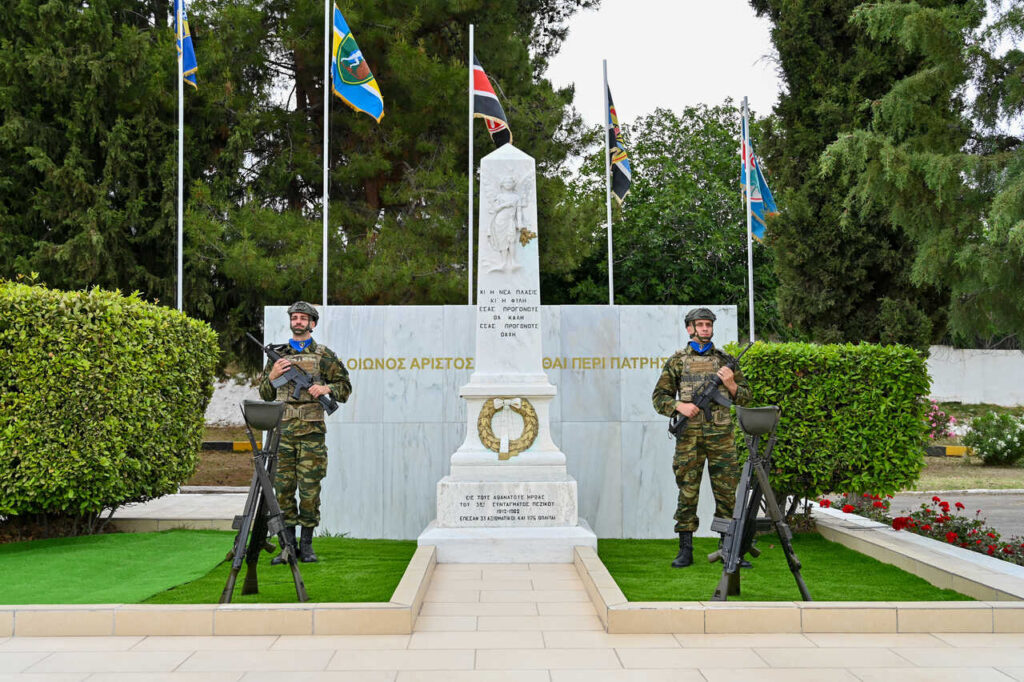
469,260
328,25
181,146
750,252
608,185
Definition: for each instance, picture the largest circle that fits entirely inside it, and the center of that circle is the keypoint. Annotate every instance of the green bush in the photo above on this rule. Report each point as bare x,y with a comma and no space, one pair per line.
853,418
997,438
101,400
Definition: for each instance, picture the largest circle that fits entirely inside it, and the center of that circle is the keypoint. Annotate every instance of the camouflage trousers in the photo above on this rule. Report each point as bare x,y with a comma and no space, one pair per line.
699,444
301,464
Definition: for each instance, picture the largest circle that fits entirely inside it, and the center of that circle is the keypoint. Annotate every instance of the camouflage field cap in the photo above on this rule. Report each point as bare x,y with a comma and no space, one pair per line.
303,307
699,314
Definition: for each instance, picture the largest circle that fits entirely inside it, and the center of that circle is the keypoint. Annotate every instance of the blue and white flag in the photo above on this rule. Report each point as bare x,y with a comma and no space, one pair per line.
762,203
183,38
352,80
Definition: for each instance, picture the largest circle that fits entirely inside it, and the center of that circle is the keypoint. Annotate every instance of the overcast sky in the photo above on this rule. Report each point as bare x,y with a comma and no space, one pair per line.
667,53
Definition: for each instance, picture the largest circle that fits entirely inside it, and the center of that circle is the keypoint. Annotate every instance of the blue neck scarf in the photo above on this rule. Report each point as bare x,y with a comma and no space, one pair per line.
299,346
701,350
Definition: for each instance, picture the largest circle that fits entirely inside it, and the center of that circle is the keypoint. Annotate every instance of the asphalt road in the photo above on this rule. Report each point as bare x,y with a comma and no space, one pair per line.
1003,511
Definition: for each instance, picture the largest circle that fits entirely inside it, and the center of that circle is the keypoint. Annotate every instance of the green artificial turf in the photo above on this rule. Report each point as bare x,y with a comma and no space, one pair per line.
349,570
831,571
114,568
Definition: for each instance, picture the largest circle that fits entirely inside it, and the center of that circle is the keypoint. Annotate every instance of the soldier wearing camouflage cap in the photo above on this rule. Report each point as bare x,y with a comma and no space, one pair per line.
302,455
702,440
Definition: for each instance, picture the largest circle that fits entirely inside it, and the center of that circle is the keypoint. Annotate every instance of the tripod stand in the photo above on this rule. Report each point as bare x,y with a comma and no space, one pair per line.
262,514
753,490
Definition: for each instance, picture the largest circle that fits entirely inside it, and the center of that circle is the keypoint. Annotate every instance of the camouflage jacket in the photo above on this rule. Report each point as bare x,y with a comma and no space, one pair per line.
324,367
683,374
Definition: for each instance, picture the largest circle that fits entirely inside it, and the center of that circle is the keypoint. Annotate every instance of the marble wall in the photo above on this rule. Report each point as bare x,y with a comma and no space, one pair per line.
391,443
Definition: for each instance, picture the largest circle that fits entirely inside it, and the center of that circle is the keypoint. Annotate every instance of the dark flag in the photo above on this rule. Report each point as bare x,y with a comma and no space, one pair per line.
622,174
487,106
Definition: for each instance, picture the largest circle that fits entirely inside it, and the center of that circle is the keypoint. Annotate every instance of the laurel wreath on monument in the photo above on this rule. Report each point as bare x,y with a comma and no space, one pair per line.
492,442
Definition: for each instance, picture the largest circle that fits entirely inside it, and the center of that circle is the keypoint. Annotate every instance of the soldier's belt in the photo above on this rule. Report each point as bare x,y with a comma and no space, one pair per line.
306,412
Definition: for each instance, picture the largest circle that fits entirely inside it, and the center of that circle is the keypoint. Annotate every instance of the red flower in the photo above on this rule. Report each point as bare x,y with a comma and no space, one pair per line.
991,549
866,495
826,503
936,498
978,541
900,522
848,508
951,537
959,505
945,506
1008,549
878,505
991,535
926,527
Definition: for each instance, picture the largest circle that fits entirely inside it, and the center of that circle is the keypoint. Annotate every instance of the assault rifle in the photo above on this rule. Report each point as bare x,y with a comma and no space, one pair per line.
753,490
299,379
705,394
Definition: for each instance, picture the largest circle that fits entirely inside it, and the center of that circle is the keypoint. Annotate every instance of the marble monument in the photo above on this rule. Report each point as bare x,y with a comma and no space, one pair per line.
508,497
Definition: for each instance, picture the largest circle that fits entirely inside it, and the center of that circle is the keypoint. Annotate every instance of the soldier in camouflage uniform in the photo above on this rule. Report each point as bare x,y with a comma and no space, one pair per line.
712,441
302,455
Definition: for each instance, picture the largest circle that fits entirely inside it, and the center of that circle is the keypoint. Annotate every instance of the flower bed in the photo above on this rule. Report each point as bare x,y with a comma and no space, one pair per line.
938,520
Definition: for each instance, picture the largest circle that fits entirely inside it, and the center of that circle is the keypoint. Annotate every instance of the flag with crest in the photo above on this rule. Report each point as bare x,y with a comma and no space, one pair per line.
762,203
622,174
487,106
186,53
352,80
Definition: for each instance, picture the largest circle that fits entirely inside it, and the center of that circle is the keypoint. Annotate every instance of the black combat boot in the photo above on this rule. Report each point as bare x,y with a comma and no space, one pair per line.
306,554
289,532
685,556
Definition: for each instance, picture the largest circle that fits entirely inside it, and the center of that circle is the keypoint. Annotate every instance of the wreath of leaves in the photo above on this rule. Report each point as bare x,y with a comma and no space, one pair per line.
492,442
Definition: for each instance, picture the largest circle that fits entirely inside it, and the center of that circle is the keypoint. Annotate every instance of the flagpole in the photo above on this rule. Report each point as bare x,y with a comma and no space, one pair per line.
608,185
472,69
327,103
747,164
181,145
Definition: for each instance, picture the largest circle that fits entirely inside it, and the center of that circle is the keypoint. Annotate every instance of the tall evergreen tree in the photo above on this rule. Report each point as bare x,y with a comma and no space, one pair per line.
844,269
89,137
935,160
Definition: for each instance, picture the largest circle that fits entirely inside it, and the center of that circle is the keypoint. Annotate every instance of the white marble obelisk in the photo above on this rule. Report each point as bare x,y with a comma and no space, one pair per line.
508,498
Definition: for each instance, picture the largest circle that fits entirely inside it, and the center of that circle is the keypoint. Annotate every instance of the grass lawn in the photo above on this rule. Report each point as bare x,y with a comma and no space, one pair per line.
966,473
106,569
349,570
831,571
188,567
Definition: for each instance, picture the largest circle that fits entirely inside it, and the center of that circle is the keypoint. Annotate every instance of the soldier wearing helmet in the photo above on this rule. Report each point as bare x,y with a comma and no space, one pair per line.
302,454
702,440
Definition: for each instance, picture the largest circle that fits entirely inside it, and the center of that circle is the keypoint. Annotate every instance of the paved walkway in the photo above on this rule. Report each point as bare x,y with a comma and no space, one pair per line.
518,623
514,623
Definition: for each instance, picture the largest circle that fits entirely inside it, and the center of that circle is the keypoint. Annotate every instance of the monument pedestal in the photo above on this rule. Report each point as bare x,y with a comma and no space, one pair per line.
511,545
508,498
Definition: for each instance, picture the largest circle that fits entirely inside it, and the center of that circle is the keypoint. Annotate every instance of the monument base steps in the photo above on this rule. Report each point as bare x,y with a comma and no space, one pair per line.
552,545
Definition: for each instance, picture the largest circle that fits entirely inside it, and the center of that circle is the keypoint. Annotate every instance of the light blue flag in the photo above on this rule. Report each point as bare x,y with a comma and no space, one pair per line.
761,201
352,80
183,39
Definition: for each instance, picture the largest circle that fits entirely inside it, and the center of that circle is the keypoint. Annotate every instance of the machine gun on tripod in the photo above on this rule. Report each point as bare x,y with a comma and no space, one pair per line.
262,514
753,490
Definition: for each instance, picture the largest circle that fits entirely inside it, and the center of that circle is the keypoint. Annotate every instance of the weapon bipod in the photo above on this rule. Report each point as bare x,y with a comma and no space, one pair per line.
262,514
753,489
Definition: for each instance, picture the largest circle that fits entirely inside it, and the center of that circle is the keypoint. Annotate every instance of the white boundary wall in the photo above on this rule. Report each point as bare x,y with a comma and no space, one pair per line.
977,376
391,443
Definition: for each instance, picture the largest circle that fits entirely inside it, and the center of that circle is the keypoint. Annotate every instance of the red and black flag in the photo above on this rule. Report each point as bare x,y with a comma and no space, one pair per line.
487,106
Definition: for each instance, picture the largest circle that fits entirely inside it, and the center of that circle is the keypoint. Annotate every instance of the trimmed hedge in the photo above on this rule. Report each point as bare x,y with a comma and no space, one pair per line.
853,416
102,400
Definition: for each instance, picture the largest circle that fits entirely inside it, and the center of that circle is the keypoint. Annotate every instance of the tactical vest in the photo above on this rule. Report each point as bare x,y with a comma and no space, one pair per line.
701,368
305,407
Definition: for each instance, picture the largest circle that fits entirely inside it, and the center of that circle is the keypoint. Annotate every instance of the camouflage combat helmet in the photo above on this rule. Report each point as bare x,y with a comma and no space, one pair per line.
303,307
699,314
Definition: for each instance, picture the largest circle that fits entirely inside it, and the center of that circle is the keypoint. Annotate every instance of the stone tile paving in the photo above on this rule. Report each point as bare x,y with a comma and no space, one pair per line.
472,630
